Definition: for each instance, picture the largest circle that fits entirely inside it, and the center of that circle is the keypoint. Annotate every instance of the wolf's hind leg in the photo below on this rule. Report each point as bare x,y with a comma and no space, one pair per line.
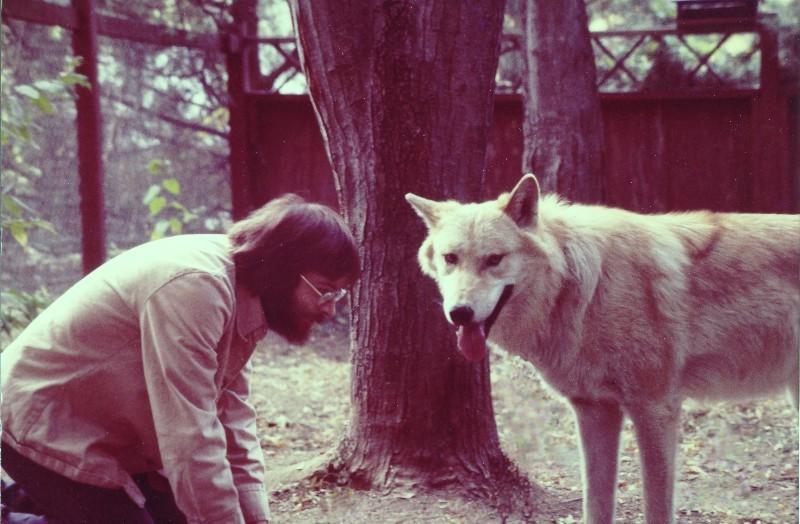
656,427
599,425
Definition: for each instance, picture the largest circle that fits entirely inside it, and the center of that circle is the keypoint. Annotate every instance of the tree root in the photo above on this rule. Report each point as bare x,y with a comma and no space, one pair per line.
501,485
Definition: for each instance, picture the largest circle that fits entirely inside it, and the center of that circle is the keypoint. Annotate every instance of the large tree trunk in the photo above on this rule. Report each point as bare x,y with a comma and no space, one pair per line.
404,93
563,124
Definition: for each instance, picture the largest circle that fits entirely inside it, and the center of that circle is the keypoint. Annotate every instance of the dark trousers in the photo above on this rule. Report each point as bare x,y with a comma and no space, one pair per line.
74,502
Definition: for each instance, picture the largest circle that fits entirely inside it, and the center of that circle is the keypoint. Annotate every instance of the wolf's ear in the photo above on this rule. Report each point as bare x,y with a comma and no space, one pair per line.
523,204
425,258
427,209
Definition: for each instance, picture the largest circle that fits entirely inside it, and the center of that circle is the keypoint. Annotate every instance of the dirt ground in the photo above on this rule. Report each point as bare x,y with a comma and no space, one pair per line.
738,462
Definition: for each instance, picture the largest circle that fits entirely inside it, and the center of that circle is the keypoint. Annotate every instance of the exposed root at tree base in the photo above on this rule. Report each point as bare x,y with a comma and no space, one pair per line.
502,487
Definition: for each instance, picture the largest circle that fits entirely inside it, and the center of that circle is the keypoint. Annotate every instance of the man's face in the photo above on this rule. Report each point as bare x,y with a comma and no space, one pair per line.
306,307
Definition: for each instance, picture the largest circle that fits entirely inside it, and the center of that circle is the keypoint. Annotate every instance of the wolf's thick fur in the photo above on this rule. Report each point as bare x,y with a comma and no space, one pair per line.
623,313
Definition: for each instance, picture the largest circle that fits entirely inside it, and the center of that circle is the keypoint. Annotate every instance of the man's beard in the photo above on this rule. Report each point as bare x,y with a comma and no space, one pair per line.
284,318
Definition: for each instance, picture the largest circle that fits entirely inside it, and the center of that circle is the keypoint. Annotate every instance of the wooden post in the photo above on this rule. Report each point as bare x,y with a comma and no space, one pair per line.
772,182
90,138
239,56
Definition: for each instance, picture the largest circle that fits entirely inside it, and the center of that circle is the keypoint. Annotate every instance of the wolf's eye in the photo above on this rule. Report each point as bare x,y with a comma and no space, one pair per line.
451,258
493,260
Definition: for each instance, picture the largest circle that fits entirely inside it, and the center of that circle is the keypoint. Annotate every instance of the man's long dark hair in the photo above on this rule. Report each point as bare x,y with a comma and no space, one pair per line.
287,237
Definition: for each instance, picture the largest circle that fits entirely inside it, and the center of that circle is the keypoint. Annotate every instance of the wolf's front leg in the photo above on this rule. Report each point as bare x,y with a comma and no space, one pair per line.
656,427
599,425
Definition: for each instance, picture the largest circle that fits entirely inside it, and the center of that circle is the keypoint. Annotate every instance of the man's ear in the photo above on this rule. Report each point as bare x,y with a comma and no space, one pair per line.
428,210
523,204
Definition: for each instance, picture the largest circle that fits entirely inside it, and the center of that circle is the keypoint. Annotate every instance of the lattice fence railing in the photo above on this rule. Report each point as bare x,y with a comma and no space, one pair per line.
626,62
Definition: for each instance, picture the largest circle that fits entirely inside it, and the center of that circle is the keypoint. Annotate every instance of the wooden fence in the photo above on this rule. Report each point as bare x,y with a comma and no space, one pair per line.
663,153
725,145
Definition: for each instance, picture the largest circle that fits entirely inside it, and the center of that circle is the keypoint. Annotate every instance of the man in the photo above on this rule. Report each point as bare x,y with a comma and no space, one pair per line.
141,368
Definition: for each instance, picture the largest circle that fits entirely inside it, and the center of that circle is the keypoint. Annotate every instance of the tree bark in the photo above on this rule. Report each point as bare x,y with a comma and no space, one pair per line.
403,92
563,125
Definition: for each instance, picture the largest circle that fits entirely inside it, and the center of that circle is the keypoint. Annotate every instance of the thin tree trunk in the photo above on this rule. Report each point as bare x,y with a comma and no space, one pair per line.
404,94
563,124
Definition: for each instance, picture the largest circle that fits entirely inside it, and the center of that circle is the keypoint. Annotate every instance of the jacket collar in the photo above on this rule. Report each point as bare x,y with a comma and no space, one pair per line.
250,320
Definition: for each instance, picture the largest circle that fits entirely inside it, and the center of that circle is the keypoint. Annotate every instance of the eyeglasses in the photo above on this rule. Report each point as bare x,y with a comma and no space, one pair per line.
331,297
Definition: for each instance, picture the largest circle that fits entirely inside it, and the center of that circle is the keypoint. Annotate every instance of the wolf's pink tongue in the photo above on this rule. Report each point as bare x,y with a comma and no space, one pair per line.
472,341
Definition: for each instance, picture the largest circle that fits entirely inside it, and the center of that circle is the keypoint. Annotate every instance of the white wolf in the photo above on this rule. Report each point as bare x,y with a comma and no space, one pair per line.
622,313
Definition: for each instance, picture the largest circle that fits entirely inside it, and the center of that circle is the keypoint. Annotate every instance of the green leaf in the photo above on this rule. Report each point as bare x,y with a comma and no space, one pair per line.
28,91
159,229
155,166
151,193
20,232
48,86
175,225
72,62
10,206
172,185
24,133
56,33
33,171
22,204
12,299
74,78
44,224
45,105
10,180
156,205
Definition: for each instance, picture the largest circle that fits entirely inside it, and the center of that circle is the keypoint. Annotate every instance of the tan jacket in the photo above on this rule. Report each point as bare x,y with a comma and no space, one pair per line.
143,366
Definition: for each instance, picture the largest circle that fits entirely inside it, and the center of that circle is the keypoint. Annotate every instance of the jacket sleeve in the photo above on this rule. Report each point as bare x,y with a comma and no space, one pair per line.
181,324
244,449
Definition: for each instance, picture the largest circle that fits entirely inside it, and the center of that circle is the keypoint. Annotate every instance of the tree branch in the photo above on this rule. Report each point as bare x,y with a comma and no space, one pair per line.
167,118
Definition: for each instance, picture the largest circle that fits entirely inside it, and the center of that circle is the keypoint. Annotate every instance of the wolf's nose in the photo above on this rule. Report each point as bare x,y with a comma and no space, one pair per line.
461,315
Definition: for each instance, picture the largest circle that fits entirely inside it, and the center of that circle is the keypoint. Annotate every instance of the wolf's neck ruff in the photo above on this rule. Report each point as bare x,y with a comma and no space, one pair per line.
472,337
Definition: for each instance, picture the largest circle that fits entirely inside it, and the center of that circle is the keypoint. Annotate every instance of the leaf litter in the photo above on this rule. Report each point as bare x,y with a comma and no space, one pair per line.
737,463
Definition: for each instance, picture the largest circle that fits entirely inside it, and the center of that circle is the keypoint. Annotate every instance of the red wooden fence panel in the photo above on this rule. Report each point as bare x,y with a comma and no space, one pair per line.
678,154
662,153
287,150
